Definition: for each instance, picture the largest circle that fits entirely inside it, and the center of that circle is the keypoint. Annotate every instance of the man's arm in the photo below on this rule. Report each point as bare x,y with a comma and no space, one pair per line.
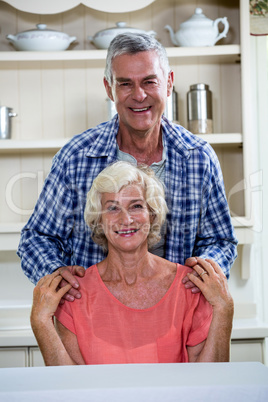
46,238
215,237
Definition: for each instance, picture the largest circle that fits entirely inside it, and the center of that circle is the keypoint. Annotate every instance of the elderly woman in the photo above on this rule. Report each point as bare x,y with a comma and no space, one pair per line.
134,307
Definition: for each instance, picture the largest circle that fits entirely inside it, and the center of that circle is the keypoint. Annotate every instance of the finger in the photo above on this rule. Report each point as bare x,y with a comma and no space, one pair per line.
205,265
215,266
78,270
186,279
195,290
190,262
47,279
56,281
68,276
197,281
62,291
199,271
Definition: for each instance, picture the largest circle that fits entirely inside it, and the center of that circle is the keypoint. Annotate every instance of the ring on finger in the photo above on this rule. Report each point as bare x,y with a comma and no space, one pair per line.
203,273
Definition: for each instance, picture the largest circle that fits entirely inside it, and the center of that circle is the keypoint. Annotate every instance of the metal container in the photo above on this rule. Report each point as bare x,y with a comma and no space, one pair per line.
5,122
199,109
171,111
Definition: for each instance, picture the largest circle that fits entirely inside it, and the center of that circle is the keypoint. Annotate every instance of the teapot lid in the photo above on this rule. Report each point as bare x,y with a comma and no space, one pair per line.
197,18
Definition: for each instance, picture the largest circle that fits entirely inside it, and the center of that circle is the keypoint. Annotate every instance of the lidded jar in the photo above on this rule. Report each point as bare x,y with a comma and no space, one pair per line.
199,109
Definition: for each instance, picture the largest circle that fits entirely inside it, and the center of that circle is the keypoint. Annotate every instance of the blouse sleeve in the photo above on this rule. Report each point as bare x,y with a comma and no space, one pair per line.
65,317
201,320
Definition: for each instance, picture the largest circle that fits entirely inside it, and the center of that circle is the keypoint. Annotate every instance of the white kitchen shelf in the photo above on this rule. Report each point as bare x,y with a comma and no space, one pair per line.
18,146
32,145
10,236
223,53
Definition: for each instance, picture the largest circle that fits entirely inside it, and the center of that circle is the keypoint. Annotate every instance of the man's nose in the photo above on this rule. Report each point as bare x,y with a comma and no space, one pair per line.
138,93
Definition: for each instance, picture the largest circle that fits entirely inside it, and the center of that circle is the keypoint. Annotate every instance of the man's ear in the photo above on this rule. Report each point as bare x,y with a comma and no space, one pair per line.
170,82
108,89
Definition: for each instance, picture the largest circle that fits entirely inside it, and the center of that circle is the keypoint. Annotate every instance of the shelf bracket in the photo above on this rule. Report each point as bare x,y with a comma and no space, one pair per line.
245,261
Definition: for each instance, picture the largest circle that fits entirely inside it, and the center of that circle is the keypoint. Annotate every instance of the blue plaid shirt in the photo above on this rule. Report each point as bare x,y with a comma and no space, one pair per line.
198,223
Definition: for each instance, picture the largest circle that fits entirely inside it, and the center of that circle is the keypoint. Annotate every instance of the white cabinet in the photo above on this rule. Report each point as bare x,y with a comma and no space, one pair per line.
21,357
241,351
248,350
13,357
35,357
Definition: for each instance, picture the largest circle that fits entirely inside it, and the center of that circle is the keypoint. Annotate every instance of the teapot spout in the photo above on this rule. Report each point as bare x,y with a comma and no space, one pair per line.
172,35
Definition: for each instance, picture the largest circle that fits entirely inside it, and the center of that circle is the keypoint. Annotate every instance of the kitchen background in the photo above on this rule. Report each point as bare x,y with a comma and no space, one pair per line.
59,94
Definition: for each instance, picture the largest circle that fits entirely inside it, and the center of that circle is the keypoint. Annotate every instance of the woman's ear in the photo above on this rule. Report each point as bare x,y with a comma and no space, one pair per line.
152,217
108,89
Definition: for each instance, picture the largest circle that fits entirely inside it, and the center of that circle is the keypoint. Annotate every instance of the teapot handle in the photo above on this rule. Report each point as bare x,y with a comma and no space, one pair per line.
226,28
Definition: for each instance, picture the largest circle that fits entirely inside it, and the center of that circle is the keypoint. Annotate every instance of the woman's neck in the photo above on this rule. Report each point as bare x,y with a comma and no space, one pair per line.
126,266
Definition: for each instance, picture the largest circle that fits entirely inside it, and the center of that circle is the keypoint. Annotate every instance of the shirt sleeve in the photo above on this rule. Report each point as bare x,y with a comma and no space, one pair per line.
45,239
215,237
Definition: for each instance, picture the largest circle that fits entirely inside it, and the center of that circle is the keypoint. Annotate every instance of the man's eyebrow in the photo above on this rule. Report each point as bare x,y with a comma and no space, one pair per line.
123,79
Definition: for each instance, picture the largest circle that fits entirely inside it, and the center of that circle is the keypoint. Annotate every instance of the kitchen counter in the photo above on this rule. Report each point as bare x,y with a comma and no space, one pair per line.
137,382
242,329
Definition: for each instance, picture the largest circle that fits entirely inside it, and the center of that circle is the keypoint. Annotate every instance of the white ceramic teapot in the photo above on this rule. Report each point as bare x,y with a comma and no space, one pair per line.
102,39
199,31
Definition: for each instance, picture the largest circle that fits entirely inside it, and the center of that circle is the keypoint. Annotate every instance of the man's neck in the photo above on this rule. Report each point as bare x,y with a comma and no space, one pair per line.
146,148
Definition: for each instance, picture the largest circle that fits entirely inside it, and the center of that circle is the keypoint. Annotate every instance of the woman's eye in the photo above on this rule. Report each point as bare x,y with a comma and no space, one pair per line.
112,208
137,206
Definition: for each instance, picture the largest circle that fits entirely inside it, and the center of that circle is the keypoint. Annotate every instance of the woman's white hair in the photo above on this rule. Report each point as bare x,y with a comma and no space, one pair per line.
111,180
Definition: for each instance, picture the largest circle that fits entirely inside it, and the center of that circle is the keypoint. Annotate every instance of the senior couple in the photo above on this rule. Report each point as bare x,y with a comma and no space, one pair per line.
139,202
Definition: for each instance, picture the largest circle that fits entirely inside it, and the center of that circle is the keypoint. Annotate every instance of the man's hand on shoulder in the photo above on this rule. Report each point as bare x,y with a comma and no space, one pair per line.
190,262
67,274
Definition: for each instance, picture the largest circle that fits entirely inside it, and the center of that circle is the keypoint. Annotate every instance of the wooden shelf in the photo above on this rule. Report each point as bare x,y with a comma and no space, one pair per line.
223,53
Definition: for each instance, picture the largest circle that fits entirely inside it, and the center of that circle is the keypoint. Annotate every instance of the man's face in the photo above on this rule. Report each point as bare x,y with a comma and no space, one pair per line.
139,90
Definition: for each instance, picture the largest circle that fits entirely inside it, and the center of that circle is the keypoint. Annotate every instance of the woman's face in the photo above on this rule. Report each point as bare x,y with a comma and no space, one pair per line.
125,218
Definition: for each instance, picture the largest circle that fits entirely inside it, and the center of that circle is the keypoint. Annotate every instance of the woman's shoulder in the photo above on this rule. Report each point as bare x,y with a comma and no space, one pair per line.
90,274
172,266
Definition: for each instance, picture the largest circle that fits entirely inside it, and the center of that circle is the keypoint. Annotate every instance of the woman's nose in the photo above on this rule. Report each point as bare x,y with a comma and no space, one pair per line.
125,217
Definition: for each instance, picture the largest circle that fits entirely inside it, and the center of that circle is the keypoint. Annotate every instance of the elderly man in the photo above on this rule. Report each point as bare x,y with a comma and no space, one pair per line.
139,80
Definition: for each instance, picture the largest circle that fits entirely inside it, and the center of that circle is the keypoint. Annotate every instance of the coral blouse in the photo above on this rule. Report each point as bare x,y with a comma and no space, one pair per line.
108,332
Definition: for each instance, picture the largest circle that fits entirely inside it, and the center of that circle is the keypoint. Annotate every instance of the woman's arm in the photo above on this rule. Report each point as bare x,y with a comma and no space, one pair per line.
46,298
213,284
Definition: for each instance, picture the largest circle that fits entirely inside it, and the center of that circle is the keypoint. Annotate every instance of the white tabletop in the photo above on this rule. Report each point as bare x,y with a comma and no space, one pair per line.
208,382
